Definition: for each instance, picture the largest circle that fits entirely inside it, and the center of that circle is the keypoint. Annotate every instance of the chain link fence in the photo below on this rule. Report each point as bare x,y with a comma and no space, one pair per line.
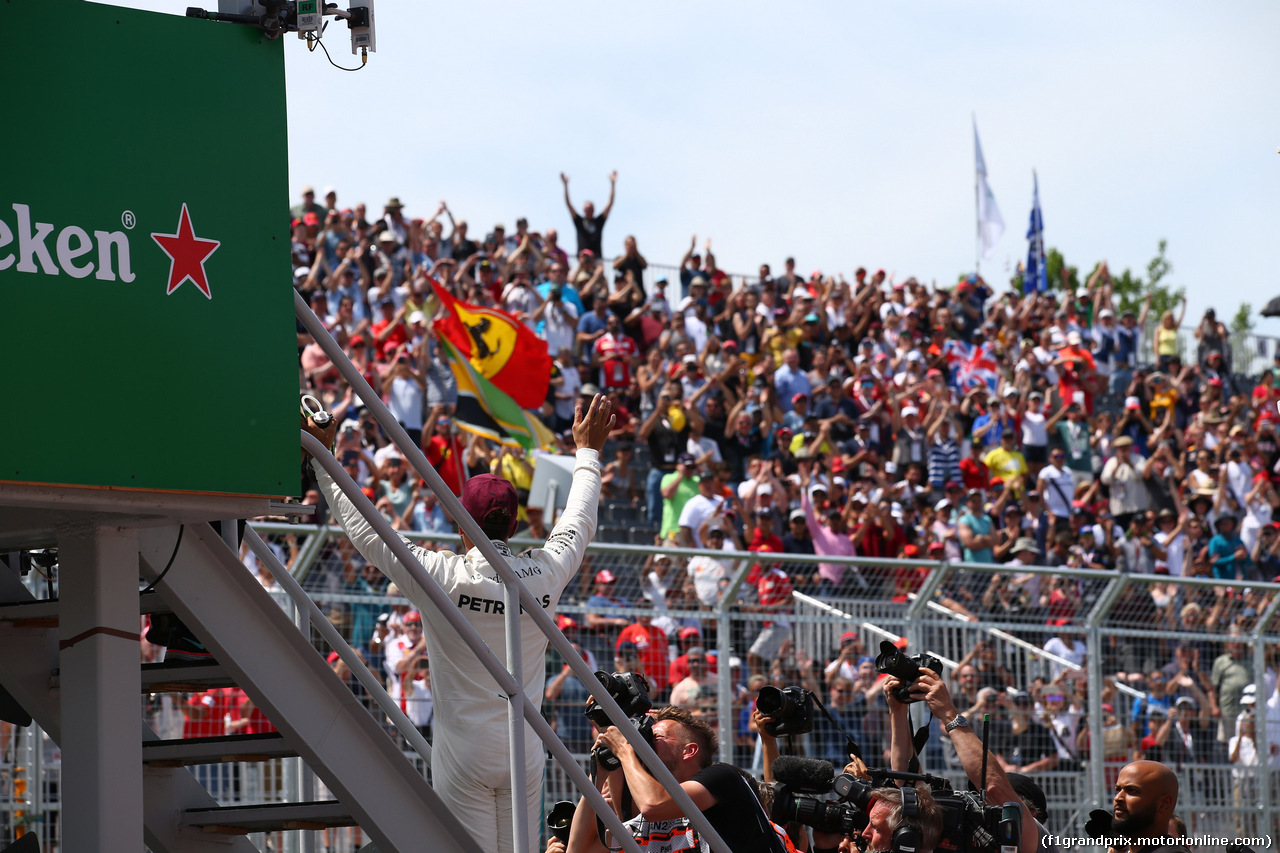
1178,669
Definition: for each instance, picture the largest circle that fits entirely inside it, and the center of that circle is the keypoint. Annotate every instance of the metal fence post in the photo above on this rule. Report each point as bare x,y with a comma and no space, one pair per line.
309,552
724,651
1093,641
915,611
1262,713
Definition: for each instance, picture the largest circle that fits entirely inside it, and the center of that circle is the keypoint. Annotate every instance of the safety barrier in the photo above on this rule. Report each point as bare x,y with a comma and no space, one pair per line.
1116,616
1129,622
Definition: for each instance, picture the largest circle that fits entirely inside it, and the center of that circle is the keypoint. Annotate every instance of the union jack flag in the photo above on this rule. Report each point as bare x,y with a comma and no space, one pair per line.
971,365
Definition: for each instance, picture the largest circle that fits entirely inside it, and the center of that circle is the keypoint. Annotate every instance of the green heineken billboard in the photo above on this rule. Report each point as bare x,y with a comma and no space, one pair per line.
146,310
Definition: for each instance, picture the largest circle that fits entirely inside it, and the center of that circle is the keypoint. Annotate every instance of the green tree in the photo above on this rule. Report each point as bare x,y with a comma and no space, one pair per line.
1130,291
1242,322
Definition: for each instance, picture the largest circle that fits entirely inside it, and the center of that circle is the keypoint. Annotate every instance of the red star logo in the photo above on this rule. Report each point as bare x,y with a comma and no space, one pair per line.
187,254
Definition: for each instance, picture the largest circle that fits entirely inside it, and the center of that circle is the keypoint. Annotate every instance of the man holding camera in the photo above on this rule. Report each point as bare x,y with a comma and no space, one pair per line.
470,757
928,687
685,744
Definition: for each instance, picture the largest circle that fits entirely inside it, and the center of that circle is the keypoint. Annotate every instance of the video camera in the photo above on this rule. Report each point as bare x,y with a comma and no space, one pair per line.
891,661
631,692
969,825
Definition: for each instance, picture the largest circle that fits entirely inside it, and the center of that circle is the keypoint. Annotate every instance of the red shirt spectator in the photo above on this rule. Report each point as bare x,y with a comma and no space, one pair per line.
974,473
651,643
615,352
389,331
444,452
206,712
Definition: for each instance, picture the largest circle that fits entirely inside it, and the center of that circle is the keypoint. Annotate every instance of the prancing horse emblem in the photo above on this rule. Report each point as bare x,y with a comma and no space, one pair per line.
480,348
493,341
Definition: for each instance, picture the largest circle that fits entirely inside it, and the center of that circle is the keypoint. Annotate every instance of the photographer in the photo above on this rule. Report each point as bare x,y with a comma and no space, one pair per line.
685,744
930,688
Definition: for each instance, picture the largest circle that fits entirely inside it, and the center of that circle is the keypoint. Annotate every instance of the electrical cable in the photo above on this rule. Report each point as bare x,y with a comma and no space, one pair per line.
364,58
149,587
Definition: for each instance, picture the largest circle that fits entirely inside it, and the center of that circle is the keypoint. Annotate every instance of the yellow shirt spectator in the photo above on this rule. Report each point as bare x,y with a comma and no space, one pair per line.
1007,464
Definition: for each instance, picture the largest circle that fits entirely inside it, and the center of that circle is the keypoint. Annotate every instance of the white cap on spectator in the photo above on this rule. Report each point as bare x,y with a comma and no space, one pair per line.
1073,338
839,481
794,479
890,468
895,509
330,191
1250,695
908,411
797,515
1132,403
817,487
1010,392
689,359
764,489
915,355
1105,313
941,505
416,317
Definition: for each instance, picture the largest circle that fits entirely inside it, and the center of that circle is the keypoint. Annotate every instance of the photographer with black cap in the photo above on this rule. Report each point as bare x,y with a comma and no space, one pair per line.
929,688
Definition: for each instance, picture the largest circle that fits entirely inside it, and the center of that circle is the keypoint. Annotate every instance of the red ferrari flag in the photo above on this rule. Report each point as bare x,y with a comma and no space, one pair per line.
500,348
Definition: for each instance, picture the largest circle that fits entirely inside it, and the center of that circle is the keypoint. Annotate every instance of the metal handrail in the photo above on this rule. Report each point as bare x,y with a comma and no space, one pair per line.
837,612
331,635
529,604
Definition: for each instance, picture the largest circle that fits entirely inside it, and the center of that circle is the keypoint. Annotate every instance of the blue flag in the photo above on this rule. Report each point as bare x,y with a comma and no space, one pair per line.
1036,278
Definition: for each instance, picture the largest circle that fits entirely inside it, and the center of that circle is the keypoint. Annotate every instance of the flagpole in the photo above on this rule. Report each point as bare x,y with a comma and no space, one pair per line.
977,221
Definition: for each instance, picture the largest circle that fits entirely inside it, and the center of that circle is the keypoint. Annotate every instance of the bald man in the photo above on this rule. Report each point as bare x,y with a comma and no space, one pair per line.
1146,796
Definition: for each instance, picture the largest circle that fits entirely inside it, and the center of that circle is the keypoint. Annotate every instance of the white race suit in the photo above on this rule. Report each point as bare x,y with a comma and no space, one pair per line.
470,767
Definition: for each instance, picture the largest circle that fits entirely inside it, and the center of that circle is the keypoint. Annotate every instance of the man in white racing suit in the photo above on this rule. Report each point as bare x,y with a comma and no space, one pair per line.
470,767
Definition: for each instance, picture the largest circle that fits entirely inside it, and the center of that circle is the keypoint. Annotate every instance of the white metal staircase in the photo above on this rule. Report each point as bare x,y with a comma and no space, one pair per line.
73,665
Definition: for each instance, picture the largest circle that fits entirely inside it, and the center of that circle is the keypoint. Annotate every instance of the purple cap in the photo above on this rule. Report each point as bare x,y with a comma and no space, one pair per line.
488,493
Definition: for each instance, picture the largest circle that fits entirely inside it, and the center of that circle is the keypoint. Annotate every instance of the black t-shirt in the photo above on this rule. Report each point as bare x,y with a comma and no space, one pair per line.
590,232
1032,745
735,452
666,445
737,814
632,264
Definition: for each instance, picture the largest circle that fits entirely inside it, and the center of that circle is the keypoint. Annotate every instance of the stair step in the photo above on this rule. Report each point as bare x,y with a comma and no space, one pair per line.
213,750
239,820
184,676
43,613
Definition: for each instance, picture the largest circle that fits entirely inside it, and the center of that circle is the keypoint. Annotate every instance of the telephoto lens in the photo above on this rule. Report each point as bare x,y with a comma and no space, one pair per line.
560,819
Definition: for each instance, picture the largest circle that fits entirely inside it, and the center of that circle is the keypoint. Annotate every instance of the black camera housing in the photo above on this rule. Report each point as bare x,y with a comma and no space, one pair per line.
790,710
631,691
891,661
968,824
844,818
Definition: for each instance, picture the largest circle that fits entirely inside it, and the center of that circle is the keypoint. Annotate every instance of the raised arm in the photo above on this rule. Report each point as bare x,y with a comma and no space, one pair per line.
613,186
564,179
567,543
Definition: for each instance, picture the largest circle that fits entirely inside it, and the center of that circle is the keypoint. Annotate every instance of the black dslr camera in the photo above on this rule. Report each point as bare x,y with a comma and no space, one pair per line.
790,710
631,692
891,661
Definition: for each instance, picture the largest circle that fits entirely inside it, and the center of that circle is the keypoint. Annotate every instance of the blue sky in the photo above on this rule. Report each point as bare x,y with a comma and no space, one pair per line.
837,132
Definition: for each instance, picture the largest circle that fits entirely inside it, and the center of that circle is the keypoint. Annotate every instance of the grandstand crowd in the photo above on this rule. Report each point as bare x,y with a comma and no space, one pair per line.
787,413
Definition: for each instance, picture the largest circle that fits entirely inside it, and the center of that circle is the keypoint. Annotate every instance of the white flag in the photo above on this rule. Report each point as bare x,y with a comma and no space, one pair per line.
990,223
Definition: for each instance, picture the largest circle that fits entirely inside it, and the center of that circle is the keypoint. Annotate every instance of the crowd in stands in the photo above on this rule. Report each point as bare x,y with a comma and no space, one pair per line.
786,413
